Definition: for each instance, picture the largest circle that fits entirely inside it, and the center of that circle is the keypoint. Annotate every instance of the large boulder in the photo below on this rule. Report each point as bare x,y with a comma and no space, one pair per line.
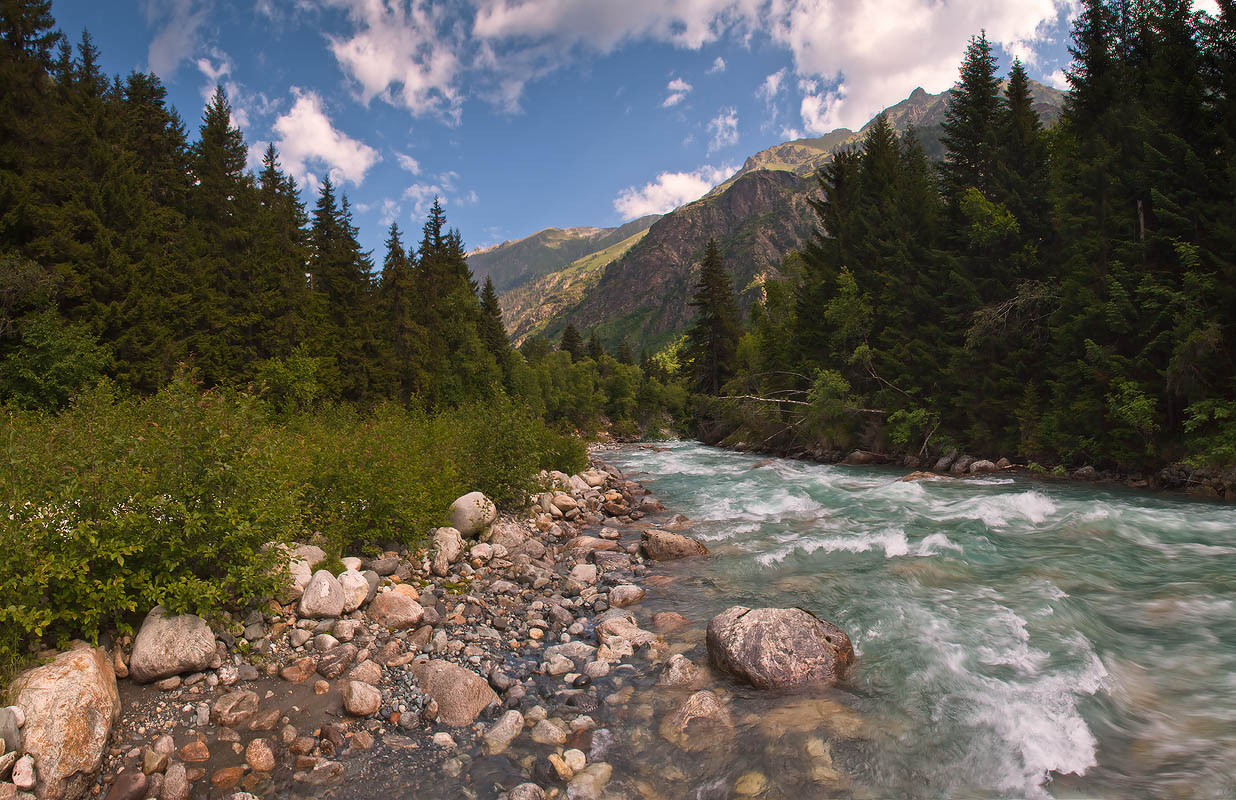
461,694
979,467
323,597
169,645
472,513
396,611
776,648
70,706
666,546
355,588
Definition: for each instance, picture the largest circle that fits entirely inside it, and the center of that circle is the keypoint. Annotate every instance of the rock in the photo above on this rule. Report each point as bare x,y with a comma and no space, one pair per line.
565,503
979,467
774,648
699,723
917,476
323,596
234,708
680,673
154,761
361,699
860,458
589,784
355,590
751,784
461,694
395,611
946,461
366,672
448,549
1086,473
1003,463
334,661
666,546
169,645
175,783
324,641
384,566
10,737
548,732
299,670
584,573
472,513
526,791
669,621
129,785
25,774
195,752
962,465
70,706
500,735
227,777
624,595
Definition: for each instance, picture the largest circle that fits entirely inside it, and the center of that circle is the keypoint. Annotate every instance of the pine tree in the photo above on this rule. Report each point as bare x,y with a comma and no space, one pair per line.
712,339
493,331
571,342
1022,170
970,127
595,348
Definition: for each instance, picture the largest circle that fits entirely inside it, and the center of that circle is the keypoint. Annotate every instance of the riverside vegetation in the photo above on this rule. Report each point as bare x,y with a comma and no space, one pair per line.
1066,296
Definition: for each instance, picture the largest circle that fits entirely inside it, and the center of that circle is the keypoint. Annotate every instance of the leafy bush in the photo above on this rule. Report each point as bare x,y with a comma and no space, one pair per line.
116,505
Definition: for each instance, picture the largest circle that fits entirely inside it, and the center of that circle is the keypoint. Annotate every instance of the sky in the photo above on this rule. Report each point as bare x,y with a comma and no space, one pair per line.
527,114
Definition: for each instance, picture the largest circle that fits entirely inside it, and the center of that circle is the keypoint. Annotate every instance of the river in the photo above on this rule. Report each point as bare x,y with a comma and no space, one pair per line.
1015,637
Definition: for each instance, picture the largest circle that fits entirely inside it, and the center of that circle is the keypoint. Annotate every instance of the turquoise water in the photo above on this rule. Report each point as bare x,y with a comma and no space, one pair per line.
1016,638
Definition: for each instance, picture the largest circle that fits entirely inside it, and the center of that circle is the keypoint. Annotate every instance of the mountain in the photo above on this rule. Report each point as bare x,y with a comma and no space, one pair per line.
511,265
638,286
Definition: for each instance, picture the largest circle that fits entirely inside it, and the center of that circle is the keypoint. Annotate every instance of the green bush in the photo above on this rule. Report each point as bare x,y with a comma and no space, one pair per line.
116,505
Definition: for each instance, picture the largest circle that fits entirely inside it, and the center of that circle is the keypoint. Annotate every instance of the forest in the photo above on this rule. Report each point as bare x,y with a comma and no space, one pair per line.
1066,297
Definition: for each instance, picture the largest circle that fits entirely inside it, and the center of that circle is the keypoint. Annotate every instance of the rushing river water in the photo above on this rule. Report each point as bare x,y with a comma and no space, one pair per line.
1015,638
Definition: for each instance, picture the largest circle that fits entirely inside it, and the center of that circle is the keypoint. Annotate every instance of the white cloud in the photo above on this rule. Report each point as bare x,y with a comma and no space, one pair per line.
724,129
1058,80
445,189
247,106
669,190
409,163
178,37
678,90
307,136
389,211
771,87
864,54
718,65
405,54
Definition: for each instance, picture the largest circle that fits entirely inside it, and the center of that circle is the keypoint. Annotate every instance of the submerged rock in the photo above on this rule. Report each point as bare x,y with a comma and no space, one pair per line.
70,706
702,721
168,645
777,648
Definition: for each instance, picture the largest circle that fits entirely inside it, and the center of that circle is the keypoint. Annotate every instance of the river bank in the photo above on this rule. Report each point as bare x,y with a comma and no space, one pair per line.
1202,482
505,634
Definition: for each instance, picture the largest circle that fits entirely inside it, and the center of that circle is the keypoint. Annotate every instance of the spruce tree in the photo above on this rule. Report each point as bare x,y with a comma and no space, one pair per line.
571,342
712,338
595,348
624,354
970,127
493,331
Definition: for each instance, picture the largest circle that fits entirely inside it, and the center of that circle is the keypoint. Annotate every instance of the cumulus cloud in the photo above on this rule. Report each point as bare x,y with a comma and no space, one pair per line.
678,90
724,129
718,65
406,54
308,138
669,190
178,35
247,106
408,162
445,189
1059,80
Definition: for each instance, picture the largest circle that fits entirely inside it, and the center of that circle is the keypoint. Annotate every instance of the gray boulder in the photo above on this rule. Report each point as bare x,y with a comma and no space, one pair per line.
169,645
448,548
472,514
778,648
980,467
323,597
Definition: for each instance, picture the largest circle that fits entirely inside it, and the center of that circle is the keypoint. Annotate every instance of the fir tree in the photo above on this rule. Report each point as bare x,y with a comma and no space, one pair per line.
971,125
595,348
712,339
571,342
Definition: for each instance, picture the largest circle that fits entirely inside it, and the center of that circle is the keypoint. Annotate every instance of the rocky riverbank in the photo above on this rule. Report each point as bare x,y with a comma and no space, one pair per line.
1204,482
481,666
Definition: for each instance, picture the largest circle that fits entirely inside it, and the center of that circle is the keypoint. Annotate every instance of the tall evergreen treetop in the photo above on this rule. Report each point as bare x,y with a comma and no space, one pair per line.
712,339
970,123
572,342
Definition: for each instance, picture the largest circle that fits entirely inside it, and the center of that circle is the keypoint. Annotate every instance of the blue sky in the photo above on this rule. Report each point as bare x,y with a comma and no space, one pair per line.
525,114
